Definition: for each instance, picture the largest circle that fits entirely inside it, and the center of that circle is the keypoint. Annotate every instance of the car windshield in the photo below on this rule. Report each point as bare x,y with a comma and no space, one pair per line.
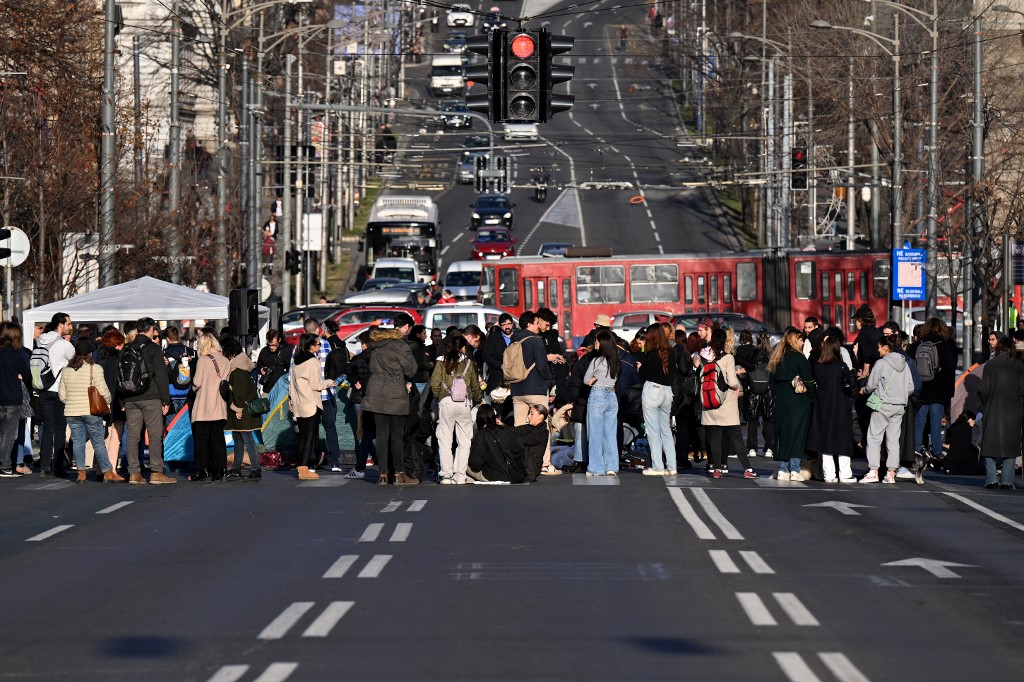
398,274
485,236
466,278
492,202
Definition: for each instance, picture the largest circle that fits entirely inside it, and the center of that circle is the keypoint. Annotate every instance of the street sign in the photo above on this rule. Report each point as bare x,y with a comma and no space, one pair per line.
19,245
908,274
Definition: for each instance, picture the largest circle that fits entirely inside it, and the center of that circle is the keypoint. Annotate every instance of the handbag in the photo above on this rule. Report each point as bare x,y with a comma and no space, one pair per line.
225,387
798,385
97,403
874,401
258,406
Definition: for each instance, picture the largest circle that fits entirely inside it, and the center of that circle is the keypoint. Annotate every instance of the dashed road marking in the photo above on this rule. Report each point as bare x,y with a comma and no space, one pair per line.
390,507
401,533
728,530
49,534
374,567
417,505
114,507
325,622
690,516
341,566
794,667
755,609
795,609
280,626
372,532
229,673
756,563
277,672
842,668
723,562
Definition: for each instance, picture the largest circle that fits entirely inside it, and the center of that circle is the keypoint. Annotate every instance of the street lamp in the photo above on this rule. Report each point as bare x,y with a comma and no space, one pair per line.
896,212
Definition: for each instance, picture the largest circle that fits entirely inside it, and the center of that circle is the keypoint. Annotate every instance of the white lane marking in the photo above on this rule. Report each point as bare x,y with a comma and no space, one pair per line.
794,666
986,511
756,611
702,531
229,673
795,609
656,237
445,249
341,566
335,611
417,505
114,507
723,562
842,668
756,563
401,533
48,534
371,532
391,506
280,626
457,237
277,672
375,566
728,530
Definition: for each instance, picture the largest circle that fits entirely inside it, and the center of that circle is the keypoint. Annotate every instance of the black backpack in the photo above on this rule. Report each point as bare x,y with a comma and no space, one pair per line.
759,376
133,371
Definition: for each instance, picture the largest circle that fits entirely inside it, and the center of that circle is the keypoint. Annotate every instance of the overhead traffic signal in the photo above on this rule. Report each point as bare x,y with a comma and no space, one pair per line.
488,73
5,246
521,79
552,74
798,178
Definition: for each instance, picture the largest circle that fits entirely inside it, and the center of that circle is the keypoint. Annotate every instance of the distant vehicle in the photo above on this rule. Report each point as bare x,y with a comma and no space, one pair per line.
455,115
420,249
293,318
525,132
463,279
495,21
466,172
736,321
370,314
628,324
405,270
460,15
476,142
403,295
380,283
492,209
447,75
393,217
455,42
492,243
554,249
460,315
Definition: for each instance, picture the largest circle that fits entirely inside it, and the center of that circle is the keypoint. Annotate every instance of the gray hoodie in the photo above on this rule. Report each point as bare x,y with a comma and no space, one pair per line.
892,378
61,353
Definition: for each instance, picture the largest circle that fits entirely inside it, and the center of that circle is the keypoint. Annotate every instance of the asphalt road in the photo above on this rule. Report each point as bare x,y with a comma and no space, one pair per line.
634,578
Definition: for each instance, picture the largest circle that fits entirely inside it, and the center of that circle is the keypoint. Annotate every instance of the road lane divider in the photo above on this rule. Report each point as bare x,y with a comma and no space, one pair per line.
390,507
341,566
795,609
280,626
755,609
325,622
689,515
756,563
723,562
417,505
796,668
728,530
372,532
114,507
49,533
229,673
842,668
986,511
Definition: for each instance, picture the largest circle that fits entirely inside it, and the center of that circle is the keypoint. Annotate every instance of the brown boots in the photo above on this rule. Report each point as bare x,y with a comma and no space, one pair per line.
112,477
402,479
306,475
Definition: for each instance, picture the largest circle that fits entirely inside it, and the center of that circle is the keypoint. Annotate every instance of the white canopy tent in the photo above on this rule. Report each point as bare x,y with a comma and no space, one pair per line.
143,297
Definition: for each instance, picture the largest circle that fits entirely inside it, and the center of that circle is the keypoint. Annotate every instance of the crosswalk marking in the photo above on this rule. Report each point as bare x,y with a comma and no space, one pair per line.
690,516
114,507
755,609
795,609
341,566
372,532
728,530
277,672
229,673
280,626
390,507
401,533
723,562
794,666
842,668
417,505
49,534
374,567
335,611
756,563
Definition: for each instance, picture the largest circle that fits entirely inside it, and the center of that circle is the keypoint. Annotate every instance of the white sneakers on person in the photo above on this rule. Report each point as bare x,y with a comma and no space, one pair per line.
782,476
653,472
904,474
890,477
768,453
870,477
751,452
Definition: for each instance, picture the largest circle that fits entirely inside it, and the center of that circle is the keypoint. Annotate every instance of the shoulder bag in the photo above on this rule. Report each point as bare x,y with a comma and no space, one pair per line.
875,400
97,403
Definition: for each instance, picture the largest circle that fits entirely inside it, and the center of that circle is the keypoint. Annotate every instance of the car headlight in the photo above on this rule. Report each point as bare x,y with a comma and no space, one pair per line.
507,215
476,216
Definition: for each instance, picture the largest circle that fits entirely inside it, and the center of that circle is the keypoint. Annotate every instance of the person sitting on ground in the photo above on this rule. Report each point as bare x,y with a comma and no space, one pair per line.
496,456
534,437
960,454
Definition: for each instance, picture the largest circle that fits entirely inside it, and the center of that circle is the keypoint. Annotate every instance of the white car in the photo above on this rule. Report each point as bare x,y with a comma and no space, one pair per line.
460,15
460,315
627,325
527,132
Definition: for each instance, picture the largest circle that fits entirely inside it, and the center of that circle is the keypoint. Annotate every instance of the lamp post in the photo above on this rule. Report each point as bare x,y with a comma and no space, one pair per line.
896,211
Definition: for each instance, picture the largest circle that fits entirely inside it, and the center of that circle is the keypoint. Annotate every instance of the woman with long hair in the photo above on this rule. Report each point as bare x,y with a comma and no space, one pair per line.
760,400
496,455
209,412
75,381
241,422
722,424
831,430
658,374
601,376
305,381
107,355
15,377
792,381
455,405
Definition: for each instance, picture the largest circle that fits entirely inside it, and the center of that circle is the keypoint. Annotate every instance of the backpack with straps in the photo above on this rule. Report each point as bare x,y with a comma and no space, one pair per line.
133,371
712,390
42,374
759,377
459,390
512,364
927,360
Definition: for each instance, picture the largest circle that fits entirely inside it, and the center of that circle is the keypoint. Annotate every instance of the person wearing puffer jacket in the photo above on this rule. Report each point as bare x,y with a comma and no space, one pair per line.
76,379
893,381
392,367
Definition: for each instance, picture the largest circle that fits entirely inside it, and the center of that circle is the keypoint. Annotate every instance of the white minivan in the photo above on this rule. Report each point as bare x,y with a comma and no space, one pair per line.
402,269
447,75
463,279
460,315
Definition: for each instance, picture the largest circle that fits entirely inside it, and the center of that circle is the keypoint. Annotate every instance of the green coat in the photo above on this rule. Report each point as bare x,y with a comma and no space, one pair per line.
243,389
792,409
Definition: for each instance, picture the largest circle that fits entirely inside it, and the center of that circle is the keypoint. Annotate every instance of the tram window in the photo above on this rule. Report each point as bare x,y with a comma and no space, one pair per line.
746,282
850,324
864,286
508,288
541,299
714,289
528,294
688,289
726,289
654,283
851,286
839,315
553,292
826,279
565,292
839,286
567,324
601,284
826,316
804,280
880,273
700,289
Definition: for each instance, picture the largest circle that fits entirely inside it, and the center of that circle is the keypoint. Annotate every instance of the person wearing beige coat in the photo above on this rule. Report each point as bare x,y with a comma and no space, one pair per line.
305,381
209,412
77,377
722,425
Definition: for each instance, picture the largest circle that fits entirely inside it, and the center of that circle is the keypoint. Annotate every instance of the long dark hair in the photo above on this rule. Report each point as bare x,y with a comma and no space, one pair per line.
717,343
485,418
829,351
10,335
607,349
655,342
456,344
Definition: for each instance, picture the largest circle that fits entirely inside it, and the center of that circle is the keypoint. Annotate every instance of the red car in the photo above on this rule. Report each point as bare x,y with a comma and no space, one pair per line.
492,243
354,319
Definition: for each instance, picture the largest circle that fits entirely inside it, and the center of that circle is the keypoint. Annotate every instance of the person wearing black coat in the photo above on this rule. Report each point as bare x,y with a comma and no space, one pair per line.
273,361
756,406
534,436
497,455
498,339
14,374
365,426
933,397
831,430
579,393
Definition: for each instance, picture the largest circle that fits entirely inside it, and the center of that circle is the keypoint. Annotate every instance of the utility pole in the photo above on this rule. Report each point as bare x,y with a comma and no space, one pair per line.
220,285
286,194
897,159
850,159
137,91
786,204
771,205
931,266
108,164
977,177
249,241
174,141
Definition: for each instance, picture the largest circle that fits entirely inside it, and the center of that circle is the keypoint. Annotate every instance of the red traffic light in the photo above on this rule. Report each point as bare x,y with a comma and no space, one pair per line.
523,46
799,154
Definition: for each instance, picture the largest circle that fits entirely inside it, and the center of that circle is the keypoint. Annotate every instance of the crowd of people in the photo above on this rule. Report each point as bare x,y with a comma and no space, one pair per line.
511,404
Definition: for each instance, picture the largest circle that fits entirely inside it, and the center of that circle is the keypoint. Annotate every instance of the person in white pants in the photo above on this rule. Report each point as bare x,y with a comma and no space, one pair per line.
893,381
455,384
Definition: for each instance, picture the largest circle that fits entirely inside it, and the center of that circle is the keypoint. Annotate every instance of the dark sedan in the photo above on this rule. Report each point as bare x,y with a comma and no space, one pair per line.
492,209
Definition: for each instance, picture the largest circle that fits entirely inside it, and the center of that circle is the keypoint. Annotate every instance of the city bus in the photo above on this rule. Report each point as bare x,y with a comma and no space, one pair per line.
395,218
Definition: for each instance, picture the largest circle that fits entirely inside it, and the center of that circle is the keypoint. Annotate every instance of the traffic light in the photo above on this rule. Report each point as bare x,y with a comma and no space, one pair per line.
5,249
504,171
521,80
551,74
488,73
798,178
481,179
291,262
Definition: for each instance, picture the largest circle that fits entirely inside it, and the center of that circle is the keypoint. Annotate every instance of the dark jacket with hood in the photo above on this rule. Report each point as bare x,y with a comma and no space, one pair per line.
538,381
493,352
935,390
106,358
498,455
158,387
391,365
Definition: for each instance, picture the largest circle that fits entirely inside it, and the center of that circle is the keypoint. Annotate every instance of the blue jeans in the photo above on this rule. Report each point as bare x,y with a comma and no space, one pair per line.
91,427
932,413
579,443
602,407
657,403
245,442
992,463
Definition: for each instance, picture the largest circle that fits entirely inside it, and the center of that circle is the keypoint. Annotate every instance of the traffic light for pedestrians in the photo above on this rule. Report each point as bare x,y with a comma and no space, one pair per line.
504,172
521,76
291,262
481,178
5,246
798,179
488,74
551,74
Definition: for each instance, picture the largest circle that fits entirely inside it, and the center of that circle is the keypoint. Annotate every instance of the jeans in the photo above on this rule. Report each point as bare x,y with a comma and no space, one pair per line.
245,442
390,442
92,428
579,443
52,433
9,416
148,414
657,404
454,417
886,421
602,406
329,419
932,413
993,463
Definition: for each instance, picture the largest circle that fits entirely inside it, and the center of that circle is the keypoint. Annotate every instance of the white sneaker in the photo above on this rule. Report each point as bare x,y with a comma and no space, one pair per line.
589,473
447,481
612,473
782,476
903,474
336,469
751,453
653,472
834,479
769,454
670,472
355,474
851,479
870,477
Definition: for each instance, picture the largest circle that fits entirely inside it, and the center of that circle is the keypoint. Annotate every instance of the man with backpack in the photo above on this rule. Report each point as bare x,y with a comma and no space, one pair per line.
142,380
51,355
934,363
531,389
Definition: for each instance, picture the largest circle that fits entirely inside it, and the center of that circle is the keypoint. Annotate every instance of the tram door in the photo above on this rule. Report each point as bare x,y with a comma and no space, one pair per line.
708,292
842,291
553,293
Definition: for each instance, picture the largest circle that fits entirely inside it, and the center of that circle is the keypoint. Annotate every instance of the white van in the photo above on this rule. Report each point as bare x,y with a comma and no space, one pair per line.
402,269
447,75
525,132
460,315
463,279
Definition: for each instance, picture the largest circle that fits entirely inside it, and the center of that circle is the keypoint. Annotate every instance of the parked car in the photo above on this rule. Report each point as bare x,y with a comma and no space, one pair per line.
455,42
293,318
380,283
737,321
460,15
492,209
460,315
403,295
628,324
554,249
492,243
355,320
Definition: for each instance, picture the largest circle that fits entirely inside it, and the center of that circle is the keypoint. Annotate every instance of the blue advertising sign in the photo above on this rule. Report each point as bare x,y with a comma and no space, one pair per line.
908,275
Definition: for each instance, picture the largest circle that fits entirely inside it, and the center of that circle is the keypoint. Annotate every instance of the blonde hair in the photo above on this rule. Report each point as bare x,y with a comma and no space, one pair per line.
730,340
207,344
130,336
792,341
